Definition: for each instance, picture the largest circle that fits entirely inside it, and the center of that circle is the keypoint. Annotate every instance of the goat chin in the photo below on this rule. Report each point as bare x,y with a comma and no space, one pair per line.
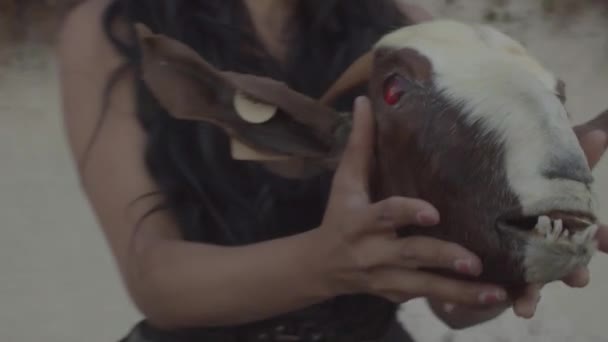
552,252
546,261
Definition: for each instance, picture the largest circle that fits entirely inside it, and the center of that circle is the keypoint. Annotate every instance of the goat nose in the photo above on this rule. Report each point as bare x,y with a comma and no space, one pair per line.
570,168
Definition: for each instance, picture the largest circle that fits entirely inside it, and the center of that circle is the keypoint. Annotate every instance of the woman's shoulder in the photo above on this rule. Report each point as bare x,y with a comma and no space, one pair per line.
82,37
86,60
81,19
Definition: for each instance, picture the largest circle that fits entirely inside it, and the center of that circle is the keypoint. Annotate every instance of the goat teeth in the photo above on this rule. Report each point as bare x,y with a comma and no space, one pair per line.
586,235
589,233
557,228
593,231
578,238
543,226
554,230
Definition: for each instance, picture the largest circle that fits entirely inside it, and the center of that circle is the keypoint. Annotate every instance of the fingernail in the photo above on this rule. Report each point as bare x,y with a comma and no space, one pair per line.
529,310
492,297
448,307
427,218
465,266
359,102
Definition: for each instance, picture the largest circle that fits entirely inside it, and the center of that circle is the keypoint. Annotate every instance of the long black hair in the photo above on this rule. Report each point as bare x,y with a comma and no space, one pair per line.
214,198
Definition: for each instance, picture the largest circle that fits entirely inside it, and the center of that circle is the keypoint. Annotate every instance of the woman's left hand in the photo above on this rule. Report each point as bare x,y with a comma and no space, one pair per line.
593,136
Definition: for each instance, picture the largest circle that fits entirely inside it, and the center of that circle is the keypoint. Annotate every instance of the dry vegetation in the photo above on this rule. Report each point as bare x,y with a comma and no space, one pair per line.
31,20
37,20
498,10
569,7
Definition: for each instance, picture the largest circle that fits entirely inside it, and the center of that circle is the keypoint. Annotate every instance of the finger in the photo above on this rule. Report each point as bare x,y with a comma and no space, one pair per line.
593,137
454,291
579,278
353,171
602,238
594,145
396,212
525,306
425,252
414,284
448,307
396,297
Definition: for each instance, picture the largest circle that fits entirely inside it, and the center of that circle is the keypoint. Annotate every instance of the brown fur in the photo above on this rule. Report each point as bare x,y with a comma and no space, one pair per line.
415,133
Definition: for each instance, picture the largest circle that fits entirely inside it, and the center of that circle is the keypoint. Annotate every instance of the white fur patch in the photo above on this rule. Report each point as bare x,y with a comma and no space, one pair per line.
511,95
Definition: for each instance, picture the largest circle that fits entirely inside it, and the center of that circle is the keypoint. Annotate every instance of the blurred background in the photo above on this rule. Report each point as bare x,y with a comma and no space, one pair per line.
57,279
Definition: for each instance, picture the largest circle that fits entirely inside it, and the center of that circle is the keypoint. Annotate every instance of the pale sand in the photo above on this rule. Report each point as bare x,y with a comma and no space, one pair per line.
59,283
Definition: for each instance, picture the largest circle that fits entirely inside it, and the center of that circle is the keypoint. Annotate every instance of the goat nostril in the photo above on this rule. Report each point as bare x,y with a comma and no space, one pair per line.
569,170
570,175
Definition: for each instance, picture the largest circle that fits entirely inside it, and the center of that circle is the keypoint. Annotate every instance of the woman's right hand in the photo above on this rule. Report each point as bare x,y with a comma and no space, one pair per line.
359,241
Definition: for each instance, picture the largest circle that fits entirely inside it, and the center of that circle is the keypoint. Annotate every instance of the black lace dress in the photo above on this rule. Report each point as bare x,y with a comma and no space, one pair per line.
368,320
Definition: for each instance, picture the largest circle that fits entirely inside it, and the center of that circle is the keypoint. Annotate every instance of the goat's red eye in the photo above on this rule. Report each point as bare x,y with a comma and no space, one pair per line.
394,87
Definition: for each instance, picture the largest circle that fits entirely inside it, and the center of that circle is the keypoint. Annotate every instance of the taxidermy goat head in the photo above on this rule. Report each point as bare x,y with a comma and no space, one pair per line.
466,120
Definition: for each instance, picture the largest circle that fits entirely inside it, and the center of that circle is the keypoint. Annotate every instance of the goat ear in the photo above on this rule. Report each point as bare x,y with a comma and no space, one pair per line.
266,119
357,74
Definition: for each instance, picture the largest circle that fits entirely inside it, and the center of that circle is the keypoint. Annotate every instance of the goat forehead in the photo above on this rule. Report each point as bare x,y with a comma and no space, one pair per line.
504,90
488,73
455,48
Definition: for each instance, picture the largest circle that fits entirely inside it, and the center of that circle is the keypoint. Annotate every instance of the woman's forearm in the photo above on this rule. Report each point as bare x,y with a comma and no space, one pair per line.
186,284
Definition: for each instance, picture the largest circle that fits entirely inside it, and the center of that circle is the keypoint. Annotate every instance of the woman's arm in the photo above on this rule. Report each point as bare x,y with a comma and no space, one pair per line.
171,281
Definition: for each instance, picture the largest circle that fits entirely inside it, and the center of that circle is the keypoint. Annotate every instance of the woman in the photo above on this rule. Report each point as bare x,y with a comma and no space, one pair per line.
213,249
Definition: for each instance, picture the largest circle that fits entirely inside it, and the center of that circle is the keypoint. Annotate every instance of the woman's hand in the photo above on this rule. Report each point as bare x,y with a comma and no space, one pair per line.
359,241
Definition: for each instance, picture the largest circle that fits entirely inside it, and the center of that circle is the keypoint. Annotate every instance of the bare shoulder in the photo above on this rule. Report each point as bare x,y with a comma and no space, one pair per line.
103,132
415,13
82,39
83,23
86,61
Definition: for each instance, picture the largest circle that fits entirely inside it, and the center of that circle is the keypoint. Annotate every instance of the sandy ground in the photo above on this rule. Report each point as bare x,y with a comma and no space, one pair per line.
59,283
